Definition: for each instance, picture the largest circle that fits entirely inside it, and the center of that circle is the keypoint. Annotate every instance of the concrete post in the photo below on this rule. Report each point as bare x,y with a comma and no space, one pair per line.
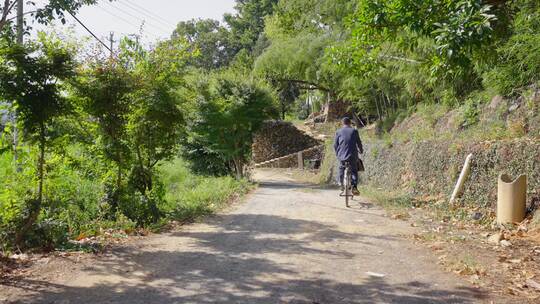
511,199
301,160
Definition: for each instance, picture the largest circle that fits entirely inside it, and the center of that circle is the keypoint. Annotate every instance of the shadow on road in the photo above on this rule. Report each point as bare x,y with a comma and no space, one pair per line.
284,185
210,291
229,261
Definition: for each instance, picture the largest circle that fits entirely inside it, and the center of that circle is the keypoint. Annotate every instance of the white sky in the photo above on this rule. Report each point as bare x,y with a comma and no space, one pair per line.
124,17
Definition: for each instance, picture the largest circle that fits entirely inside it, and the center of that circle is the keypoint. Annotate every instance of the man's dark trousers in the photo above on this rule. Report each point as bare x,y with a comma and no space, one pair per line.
353,162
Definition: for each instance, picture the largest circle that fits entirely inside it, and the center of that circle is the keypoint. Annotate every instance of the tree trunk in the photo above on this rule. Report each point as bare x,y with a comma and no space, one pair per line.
238,168
119,174
41,163
377,106
34,206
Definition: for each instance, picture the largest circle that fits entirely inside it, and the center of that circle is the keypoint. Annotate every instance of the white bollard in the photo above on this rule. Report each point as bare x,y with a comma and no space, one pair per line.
461,180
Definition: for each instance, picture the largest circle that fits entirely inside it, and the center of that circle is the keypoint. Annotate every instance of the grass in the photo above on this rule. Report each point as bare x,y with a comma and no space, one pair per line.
74,209
293,119
189,197
398,204
395,203
388,200
327,166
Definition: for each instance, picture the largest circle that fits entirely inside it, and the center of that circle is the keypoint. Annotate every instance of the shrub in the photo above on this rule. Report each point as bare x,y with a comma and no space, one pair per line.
188,196
518,64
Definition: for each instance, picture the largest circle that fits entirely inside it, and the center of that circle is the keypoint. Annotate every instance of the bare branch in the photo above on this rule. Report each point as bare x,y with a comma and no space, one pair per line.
311,85
6,9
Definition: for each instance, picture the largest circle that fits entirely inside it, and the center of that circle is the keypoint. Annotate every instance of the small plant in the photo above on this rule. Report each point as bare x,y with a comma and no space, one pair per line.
517,128
375,152
328,164
470,112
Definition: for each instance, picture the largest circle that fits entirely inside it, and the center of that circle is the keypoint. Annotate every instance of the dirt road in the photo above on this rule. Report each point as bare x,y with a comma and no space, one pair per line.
287,243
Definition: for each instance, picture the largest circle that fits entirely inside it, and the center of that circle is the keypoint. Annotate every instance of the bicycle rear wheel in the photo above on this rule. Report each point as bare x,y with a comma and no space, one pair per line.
347,185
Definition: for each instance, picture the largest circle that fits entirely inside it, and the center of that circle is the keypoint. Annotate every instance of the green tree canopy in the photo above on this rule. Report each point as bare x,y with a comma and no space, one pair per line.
247,25
226,112
51,10
209,42
32,78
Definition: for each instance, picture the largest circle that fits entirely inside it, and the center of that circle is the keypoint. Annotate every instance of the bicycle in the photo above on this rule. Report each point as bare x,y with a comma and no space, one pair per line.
347,184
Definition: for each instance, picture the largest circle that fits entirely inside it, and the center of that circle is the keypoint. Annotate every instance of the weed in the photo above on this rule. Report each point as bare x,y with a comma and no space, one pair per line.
188,197
375,152
470,112
389,200
328,164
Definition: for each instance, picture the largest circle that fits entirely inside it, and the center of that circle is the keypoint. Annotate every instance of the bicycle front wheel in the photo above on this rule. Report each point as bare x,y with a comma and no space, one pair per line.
347,185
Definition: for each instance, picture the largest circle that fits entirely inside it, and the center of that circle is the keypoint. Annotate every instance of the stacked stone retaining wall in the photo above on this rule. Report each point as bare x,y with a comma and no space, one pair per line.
432,168
279,138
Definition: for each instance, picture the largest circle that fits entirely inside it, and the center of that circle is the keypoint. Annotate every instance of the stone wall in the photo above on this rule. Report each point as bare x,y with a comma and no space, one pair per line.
431,168
279,138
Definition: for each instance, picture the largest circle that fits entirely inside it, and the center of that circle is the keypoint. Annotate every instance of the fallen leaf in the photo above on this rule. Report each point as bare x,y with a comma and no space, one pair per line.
533,284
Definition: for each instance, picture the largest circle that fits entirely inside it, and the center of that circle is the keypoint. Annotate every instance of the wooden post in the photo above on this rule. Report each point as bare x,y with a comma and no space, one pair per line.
301,160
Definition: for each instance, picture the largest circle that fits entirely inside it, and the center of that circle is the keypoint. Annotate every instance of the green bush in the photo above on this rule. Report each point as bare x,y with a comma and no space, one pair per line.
470,112
518,62
76,199
188,196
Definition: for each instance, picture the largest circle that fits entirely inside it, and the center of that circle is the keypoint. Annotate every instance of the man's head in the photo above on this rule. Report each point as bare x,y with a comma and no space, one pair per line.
346,121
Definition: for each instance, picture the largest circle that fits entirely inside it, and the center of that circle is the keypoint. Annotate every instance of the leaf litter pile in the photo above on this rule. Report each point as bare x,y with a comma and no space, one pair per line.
502,259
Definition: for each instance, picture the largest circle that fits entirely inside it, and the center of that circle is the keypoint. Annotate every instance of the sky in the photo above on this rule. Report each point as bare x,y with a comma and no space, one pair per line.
124,17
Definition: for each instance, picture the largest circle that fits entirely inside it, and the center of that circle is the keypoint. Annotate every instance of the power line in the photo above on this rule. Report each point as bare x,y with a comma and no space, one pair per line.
89,31
144,11
122,19
137,17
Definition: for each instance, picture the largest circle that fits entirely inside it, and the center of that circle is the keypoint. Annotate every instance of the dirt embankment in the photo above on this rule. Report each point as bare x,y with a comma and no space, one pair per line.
423,154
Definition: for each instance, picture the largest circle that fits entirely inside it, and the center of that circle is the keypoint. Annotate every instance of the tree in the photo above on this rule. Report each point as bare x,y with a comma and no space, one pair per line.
247,24
155,122
53,9
227,111
32,77
300,33
288,92
293,17
456,29
299,60
102,90
209,43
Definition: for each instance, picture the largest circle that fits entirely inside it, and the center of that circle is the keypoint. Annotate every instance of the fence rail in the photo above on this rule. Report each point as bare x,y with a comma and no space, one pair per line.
299,155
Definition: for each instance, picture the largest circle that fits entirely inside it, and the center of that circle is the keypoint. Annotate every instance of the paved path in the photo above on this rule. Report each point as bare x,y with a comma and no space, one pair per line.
287,243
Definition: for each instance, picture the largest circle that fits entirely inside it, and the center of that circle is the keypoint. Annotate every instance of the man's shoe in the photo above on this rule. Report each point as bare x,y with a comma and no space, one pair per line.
355,191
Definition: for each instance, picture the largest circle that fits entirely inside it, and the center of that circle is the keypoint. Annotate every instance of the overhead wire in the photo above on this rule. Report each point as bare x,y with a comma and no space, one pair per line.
138,26
139,18
148,13
89,31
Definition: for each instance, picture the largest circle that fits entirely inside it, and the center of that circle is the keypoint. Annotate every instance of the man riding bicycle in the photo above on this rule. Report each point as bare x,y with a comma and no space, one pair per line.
347,145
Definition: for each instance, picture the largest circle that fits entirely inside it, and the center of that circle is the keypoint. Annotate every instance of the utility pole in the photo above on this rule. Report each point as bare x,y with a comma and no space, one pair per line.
20,21
20,40
111,42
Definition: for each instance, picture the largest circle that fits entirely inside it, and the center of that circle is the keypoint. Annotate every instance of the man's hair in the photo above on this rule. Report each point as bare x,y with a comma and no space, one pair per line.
346,120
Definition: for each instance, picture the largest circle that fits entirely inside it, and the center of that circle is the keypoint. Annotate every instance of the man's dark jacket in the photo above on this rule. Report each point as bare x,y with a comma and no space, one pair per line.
347,144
